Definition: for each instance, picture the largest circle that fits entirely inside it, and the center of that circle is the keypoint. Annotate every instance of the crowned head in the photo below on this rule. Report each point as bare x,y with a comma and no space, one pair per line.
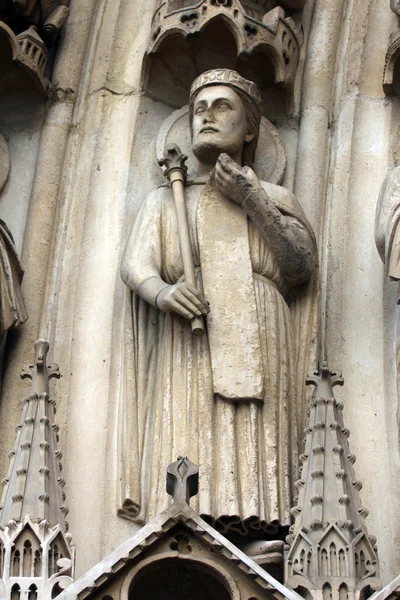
225,113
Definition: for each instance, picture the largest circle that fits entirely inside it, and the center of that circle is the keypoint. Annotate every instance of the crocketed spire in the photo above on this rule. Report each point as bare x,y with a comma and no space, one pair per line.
36,555
330,551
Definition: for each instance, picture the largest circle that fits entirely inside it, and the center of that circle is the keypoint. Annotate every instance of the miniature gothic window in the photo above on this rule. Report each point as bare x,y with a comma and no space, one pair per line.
342,563
32,593
15,563
343,592
27,559
15,592
53,558
327,592
333,560
37,563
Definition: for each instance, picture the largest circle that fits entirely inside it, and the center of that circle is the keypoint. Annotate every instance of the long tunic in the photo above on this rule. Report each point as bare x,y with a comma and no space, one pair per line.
246,451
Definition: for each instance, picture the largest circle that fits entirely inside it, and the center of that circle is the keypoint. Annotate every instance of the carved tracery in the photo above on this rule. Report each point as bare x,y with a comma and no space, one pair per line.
257,27
28,29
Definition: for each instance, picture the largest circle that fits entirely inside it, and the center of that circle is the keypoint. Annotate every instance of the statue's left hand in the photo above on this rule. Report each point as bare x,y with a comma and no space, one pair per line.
234,182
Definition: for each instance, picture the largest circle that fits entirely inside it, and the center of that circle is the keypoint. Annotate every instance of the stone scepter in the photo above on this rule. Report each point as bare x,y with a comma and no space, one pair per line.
175,171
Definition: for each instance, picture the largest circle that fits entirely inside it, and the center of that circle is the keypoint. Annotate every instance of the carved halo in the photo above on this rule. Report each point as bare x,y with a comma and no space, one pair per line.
270,163
4,162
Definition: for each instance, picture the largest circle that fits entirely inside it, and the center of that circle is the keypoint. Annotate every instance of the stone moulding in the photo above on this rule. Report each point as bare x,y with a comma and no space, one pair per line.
392,56
25,51
273,33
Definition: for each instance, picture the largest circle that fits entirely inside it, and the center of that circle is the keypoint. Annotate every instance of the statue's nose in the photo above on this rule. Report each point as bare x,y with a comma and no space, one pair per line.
207,116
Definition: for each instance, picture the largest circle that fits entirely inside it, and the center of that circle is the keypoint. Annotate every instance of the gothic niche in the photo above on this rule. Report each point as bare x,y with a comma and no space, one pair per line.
26,554
28,30
259,39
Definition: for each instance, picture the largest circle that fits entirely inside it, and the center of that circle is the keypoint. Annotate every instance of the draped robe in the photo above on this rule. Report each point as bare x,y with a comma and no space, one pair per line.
246,451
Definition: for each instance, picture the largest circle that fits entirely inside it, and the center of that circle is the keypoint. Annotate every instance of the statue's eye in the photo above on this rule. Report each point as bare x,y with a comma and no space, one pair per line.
199,110
224,105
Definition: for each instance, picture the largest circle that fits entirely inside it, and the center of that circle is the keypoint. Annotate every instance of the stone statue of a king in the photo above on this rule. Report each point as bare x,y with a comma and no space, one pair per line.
226,399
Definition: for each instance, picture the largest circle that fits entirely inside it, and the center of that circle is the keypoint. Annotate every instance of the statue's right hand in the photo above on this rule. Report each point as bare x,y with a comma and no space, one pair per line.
184,299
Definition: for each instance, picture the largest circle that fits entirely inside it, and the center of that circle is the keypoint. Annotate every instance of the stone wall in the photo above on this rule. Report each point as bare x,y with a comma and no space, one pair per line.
82,162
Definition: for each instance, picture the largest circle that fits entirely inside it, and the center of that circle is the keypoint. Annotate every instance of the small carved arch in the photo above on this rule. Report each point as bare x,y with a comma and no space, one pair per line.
32,592
216,583
54,555
15,592
324,563
333,560
23,554
308,564
37,563
362,564
302,560
327,592
57,550
27,561
15,563
343,592
342,563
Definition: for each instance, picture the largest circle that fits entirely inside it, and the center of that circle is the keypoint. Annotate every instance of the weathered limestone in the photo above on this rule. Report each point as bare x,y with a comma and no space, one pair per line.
36,555
178,554
79,168
250,242
330,553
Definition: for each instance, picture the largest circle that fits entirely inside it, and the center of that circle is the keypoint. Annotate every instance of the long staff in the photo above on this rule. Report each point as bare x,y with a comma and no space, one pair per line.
175,170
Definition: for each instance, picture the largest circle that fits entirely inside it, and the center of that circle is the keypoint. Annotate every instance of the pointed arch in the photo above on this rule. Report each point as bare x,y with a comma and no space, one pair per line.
27,559
342,563
343,592
327,592
324,563
32,592
15,563
333,560
15,592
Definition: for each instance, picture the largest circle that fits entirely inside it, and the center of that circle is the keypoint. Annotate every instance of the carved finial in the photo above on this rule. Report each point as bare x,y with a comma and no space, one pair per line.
39,372
173,161
324,380
182,480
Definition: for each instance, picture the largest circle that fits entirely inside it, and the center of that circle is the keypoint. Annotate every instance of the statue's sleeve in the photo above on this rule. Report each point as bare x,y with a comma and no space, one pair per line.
142,258
278,216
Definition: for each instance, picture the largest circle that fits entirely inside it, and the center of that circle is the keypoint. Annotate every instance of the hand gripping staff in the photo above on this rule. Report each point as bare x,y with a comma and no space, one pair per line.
175,171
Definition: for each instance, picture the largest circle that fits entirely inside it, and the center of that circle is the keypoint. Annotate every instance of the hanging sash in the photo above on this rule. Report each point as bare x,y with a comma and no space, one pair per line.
227,277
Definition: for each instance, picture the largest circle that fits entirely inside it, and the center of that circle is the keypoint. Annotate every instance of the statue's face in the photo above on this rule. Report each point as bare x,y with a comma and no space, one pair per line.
219,124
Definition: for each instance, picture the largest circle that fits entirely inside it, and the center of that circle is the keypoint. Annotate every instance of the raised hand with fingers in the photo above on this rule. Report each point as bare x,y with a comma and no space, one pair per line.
234,182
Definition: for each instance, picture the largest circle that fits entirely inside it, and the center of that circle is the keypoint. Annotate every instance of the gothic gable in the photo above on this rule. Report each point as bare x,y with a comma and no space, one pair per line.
178,553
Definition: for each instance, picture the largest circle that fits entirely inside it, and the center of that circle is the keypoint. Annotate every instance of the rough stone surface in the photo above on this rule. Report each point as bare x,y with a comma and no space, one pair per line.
82,162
